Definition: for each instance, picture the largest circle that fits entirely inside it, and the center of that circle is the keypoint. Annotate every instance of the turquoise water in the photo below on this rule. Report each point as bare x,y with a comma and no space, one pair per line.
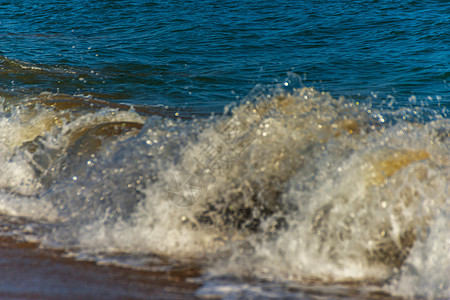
285,148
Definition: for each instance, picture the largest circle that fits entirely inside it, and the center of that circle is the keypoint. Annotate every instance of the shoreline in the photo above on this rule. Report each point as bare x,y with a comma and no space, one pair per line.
29,272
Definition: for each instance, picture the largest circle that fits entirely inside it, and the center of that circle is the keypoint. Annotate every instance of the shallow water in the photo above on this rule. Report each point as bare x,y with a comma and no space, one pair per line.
137,133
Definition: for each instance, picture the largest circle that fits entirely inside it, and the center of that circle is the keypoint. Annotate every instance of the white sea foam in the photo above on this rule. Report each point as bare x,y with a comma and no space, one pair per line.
290,186
425,271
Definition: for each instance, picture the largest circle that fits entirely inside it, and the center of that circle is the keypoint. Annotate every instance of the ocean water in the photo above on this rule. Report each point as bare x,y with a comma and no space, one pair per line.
288,149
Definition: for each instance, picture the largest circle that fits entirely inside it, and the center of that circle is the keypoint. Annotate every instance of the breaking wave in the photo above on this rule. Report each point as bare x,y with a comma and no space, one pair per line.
290,185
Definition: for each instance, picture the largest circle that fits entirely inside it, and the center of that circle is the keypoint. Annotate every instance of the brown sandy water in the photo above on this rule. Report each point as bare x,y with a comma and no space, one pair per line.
29,272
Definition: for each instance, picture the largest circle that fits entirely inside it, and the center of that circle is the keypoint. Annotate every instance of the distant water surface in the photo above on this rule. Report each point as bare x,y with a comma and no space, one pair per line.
191,54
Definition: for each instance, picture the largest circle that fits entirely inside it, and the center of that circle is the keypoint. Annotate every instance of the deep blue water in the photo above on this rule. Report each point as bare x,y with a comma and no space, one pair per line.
207,54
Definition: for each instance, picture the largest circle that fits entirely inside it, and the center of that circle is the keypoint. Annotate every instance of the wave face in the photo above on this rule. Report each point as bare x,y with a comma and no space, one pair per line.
291,185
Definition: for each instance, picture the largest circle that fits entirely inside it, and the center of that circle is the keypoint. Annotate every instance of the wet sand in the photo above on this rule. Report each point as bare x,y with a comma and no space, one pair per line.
28,272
